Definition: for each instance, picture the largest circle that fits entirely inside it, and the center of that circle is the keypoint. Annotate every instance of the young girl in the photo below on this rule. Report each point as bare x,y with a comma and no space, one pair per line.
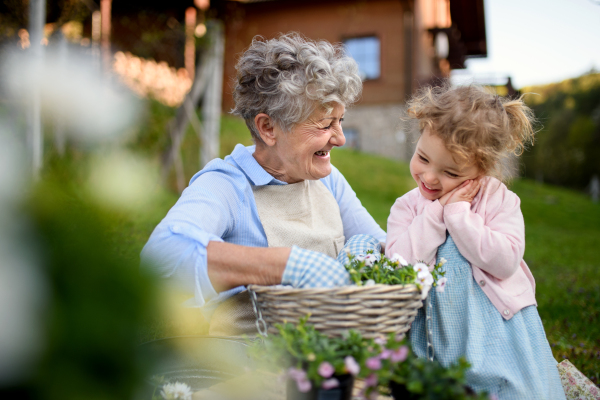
463,213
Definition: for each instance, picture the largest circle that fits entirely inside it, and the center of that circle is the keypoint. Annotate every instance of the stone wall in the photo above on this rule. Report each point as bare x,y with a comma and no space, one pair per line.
378,129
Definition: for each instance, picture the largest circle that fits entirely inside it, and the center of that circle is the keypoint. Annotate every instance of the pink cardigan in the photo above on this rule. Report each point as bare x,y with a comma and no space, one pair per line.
489,233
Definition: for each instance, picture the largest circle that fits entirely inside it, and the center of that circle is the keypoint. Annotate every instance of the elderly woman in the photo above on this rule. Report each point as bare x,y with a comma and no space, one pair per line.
277,212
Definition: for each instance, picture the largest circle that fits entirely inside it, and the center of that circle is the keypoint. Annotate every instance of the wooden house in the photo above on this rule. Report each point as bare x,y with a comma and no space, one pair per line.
399,45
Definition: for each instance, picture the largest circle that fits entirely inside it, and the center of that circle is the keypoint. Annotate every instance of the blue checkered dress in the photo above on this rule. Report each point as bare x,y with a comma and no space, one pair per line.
511,359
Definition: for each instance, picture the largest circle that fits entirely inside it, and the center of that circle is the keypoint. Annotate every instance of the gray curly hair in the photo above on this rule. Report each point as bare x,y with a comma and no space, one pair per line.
288,77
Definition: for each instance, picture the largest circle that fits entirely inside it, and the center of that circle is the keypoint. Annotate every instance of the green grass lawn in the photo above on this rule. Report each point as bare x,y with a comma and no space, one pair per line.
562,235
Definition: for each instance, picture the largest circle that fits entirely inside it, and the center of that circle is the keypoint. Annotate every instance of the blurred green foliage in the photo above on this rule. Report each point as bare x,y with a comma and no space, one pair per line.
97,299
567,148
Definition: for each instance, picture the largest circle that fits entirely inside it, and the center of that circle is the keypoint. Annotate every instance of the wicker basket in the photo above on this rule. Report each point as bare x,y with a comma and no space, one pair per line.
371,310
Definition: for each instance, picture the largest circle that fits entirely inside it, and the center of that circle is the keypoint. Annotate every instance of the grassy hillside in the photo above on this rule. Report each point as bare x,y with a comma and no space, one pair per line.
562,235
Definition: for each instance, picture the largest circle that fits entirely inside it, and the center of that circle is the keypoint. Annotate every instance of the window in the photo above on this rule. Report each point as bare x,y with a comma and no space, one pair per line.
365,51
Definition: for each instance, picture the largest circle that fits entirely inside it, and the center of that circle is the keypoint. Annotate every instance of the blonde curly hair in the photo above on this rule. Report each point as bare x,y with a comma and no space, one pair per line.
477,126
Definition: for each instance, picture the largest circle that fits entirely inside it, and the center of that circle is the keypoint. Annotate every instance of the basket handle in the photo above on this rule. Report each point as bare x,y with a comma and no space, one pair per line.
261,325
428,327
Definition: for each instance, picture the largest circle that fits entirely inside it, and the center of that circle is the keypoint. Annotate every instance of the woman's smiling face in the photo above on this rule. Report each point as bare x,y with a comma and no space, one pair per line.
304,153
434,169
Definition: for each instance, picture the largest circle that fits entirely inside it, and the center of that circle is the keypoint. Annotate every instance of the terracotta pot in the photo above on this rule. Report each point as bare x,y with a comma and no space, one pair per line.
342,392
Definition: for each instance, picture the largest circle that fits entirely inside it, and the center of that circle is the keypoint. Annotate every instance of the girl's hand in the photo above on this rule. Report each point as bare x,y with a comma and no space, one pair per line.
464,192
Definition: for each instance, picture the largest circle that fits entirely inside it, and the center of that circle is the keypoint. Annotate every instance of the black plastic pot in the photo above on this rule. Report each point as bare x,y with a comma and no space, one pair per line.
399,392
342,392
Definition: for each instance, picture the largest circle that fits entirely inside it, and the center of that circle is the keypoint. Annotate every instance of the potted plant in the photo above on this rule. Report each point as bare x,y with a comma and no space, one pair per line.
423,379
315,365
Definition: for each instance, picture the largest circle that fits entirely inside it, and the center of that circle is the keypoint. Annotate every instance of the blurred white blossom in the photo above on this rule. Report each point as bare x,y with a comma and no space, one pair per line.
74,90
176,391
122,180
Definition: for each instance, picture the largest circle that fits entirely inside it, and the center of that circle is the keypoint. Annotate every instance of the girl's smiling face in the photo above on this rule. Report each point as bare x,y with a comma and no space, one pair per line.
434,169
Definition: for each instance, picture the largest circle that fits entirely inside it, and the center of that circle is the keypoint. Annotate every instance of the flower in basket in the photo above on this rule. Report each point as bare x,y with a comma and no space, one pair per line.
368,269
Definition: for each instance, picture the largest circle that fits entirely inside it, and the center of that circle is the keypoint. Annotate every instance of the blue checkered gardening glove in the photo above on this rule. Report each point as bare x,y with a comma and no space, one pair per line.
358,245
311,269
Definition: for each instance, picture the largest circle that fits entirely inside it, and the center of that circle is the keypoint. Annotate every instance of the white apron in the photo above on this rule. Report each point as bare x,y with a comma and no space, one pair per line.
304,214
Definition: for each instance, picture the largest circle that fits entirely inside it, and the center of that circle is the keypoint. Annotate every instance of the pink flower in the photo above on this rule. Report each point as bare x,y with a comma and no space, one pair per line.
493,397
296,374
385,354
299,376
330,384
381,341
304,385
371,380
326,369
351,365
373,363
399,355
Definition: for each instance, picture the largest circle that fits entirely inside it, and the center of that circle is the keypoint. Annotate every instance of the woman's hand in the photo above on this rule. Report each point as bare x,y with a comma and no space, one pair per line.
311,269
359,244
464,192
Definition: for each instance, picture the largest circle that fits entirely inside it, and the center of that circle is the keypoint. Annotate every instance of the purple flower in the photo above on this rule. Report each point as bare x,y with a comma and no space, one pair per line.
371,380
493,397
385,354
330,384
351,365
326,369
304,385
296,374
399,355
373,363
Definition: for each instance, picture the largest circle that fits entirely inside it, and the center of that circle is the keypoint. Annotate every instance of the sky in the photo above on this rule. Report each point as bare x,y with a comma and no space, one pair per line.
537,41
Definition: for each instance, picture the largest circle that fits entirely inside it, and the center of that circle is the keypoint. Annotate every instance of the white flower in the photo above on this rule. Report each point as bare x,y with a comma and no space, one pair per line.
425,291
425,278
442,261
441,284
370,259
420,267
360,257
398,258
176,391
370,282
